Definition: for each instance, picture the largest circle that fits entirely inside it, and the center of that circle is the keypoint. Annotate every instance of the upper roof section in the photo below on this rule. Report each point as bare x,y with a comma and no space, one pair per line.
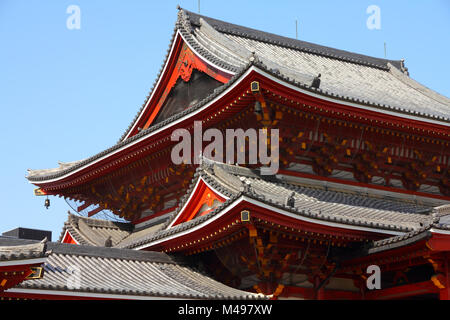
351,76
230,30
350,80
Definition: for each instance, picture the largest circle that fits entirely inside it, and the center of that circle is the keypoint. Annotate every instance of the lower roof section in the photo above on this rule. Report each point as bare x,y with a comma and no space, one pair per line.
89,272
300,203
326,207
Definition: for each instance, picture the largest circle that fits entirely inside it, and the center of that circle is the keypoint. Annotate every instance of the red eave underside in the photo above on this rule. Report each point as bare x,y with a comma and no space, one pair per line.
138,150
271,218
197,199
168,79
329,108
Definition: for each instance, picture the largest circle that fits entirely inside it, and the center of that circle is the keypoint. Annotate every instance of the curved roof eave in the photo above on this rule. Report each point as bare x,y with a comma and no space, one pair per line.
170,231
201,222
253,65
350,101
63,172
291,47
183,31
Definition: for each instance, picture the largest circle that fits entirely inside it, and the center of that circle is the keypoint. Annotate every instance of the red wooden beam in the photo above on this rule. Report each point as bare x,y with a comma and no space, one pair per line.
394,259
95,211
402,292
360,184
341,295
305,293
10,276
444,294
308,293
439,242
84,206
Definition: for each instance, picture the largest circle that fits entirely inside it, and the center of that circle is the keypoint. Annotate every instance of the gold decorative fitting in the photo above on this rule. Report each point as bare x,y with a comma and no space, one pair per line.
36,273
254,86
245,216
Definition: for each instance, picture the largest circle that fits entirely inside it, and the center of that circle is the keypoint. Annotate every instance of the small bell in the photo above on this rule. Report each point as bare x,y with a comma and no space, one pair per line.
258,109
47,203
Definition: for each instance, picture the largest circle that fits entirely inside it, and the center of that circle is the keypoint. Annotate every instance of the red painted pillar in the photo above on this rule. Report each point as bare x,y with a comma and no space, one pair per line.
444,293
320,294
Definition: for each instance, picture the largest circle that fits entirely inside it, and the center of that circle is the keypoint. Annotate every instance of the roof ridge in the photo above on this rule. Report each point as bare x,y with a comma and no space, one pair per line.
183,225
305,46
166,57
110,253
238,52
101,222
25,250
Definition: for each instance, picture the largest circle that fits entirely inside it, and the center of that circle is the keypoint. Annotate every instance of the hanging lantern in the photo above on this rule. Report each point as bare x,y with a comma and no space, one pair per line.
47,203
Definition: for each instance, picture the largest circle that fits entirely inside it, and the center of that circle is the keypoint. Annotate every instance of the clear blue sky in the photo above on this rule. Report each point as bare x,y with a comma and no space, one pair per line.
69,94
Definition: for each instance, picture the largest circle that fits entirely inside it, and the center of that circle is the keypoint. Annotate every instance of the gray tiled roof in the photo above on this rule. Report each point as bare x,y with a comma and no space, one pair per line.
127,272
326,204
89,231
137,235
400,241
345,75
441,225
407,238
21,251
266,37
316,203
148,236
350,76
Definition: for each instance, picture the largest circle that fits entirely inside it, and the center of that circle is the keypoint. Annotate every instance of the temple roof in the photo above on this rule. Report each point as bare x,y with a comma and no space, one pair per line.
22,251
391,215
401,240
229,29
121,273
348,75
89,231
349,78
344,75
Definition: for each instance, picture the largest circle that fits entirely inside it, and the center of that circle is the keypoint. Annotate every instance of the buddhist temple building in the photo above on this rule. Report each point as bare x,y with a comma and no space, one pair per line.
357,208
